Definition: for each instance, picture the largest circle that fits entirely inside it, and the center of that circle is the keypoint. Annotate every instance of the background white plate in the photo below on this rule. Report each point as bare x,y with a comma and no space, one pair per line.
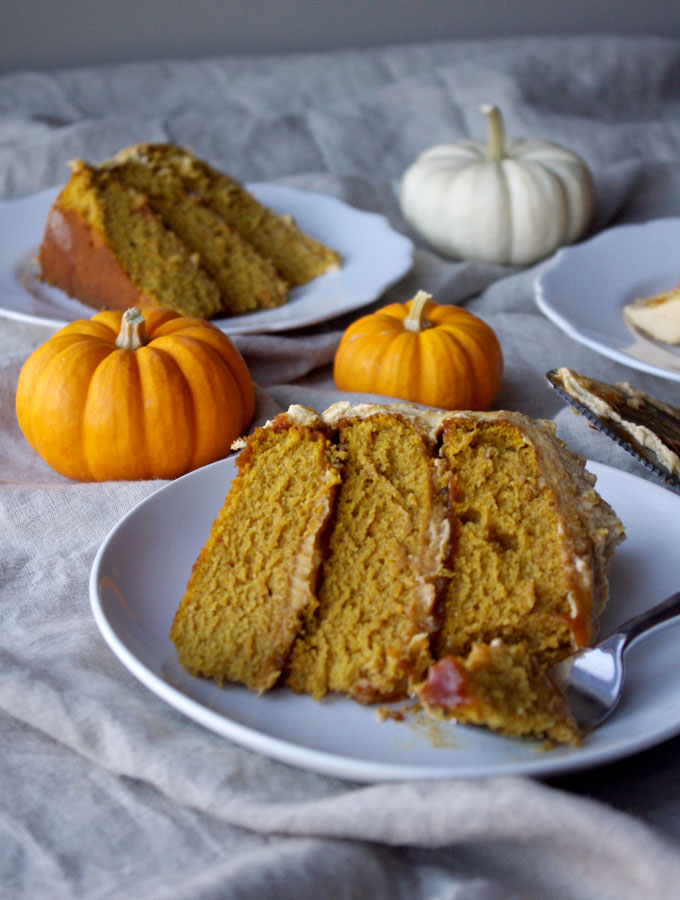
134,596
374,256
585,287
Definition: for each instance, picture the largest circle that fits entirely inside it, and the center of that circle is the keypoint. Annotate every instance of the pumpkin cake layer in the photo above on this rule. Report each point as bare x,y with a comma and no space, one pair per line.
206,247
464,545
368,635
532,545
105,246
256,574
297,256
530,536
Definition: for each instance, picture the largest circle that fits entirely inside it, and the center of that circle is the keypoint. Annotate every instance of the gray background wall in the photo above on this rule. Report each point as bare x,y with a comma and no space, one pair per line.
39,34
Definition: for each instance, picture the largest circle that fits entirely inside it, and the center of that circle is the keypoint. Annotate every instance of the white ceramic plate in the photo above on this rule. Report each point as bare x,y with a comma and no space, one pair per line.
135,593
374,256
585,287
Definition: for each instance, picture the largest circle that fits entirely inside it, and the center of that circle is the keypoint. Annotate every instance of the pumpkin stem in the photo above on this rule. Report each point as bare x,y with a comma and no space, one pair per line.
132,334
496,148
416,319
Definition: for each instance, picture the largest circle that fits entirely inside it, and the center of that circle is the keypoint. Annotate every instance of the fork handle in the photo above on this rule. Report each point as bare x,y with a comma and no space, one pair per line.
661,614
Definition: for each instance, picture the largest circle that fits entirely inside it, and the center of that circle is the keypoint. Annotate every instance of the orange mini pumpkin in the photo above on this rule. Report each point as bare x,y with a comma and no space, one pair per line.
134,396
441,356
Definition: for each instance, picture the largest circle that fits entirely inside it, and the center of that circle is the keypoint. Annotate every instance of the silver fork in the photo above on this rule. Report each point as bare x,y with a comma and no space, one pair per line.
591,679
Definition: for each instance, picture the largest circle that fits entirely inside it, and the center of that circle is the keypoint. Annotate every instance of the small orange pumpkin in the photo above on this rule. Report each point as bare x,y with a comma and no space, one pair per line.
126,395
441,356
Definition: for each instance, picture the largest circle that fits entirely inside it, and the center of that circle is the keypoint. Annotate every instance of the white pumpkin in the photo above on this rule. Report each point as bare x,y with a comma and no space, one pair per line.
510,202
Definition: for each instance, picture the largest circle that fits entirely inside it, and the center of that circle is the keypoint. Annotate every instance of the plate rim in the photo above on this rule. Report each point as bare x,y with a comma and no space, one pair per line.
557,316
338,765
401,262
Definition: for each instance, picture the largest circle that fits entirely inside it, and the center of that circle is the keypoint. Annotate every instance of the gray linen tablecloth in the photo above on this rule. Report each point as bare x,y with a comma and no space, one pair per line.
105,791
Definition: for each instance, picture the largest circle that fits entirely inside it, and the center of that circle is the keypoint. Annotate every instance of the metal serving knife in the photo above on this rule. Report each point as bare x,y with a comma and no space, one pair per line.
646,428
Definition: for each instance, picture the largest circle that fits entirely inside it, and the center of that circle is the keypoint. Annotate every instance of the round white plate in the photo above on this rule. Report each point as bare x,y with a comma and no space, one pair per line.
374,256
135,592
585,287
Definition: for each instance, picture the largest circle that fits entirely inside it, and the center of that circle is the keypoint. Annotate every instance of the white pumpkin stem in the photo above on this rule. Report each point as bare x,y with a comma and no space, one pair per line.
496,148
132,334
416,320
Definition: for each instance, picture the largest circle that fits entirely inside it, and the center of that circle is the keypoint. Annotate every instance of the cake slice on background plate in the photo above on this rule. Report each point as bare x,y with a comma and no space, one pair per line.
156,226
657,316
